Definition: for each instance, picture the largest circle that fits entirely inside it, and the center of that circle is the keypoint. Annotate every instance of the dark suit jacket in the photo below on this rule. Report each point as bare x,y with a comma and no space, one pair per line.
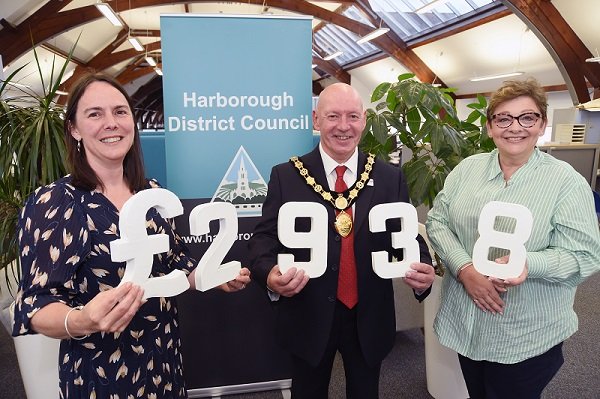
304,320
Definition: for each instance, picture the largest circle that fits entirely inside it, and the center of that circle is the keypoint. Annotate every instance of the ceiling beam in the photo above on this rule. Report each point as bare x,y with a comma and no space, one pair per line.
145,32
133,72
63,54
13,44
144,91
333,69
42,25
490,13
567,49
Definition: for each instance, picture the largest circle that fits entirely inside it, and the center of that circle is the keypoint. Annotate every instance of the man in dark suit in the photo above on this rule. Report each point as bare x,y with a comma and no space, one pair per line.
349,308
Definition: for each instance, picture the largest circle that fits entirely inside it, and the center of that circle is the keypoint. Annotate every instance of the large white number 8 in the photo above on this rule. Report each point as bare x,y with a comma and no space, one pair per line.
403,239
514,242
315,239
137,248
217,274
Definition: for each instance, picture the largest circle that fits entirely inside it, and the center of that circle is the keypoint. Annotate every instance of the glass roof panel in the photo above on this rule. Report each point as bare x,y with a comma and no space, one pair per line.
400,16
332,38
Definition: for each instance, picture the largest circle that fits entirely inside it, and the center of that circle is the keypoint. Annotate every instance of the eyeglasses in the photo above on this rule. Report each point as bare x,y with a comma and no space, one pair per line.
527,119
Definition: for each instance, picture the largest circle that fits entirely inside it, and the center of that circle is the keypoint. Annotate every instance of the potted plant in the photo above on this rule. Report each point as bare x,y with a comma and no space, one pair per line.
422,118
32,153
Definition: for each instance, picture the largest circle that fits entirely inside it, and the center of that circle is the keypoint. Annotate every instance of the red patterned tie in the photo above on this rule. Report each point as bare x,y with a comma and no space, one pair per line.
347,287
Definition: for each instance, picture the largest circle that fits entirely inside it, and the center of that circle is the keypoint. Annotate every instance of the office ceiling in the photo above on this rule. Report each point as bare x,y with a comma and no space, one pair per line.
547,39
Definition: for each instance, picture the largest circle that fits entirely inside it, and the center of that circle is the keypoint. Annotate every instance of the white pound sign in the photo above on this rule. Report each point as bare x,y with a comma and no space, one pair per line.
315,239
137,248
490,238
405,239
210,272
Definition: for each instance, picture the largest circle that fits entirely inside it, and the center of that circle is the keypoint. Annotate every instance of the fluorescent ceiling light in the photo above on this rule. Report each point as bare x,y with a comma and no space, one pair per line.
150,61
593,59
334,55
373,35
109,13
158,71
61,93
135,43
490,77
430,6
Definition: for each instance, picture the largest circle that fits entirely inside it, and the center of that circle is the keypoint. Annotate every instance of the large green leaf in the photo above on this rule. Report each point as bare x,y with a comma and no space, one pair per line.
405,76
419,178
380,128
411,92
413,120
380,91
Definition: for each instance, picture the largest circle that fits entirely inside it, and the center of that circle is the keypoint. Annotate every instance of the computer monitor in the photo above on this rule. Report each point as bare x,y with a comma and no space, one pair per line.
583,158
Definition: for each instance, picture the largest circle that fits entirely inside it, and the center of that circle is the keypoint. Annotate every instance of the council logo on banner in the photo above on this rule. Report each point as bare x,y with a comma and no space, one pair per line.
243,186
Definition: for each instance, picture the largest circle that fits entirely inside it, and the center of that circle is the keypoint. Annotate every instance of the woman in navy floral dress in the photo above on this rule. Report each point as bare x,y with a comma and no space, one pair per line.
114,344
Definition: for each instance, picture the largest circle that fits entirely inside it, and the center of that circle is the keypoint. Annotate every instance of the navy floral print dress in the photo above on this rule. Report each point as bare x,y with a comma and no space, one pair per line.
64,236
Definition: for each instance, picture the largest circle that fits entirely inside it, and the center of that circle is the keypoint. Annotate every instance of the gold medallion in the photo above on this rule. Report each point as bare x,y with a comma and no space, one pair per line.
343,224
341,203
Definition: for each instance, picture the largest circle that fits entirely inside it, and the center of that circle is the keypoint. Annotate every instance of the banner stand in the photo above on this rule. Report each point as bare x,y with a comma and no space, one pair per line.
240,389
237,100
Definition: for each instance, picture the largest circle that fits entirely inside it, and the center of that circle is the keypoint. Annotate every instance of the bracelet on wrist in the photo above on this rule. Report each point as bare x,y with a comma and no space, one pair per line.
463,267
67,322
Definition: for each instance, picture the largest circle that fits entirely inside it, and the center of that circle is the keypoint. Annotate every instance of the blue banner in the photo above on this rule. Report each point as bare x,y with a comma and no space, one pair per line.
237,92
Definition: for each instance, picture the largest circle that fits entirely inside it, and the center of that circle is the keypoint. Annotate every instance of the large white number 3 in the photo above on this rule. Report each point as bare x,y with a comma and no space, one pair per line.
137,248
402,239
210,272
514,242
315,239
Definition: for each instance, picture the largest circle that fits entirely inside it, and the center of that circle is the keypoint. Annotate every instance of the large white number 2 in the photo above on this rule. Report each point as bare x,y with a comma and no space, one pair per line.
137,248
315,239
402,239
514,242
210,272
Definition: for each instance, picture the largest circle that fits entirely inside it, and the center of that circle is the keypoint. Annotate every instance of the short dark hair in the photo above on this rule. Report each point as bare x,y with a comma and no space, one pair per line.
82,174
512,89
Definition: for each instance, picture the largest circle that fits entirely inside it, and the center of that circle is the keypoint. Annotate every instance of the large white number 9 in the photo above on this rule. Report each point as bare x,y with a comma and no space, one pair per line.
315,239
403,239
137,248
210,272
514,242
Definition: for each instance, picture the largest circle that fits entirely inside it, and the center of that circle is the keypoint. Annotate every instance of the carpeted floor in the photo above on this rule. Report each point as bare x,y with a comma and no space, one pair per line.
403,371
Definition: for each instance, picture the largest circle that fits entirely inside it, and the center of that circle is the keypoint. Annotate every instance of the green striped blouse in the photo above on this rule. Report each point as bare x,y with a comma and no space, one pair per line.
563,249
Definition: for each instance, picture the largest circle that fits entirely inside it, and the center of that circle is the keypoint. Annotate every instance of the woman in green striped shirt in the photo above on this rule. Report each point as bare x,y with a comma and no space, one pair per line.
509,333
